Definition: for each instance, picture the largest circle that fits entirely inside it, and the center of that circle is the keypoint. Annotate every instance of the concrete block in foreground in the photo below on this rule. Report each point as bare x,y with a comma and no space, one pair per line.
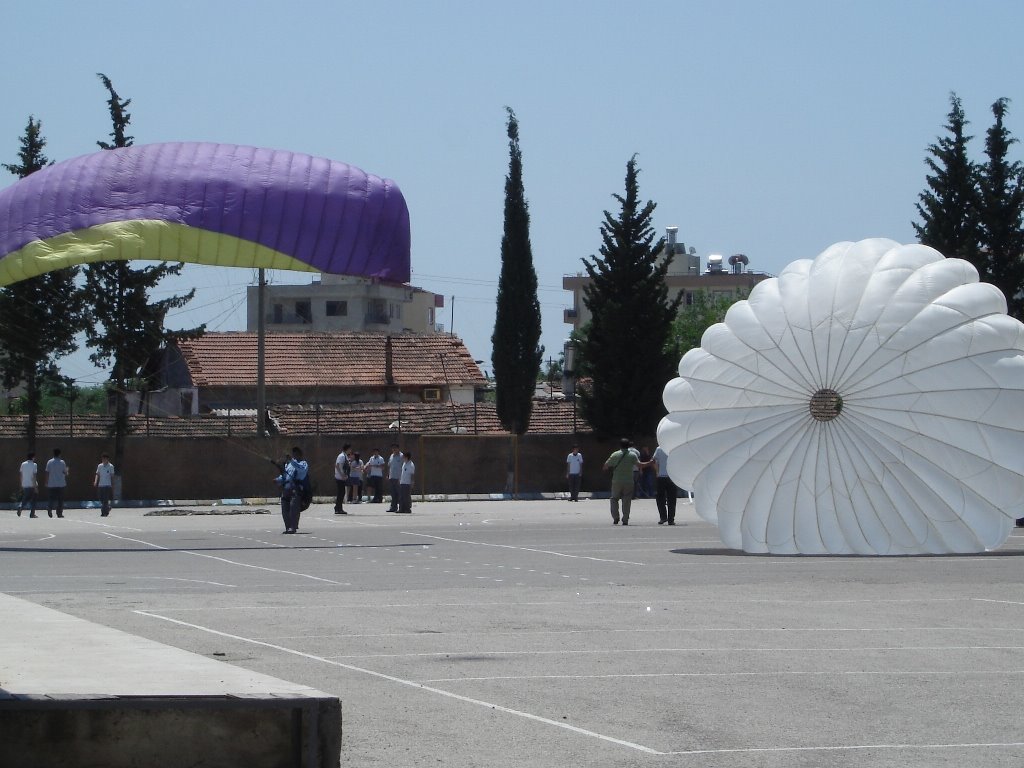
79,695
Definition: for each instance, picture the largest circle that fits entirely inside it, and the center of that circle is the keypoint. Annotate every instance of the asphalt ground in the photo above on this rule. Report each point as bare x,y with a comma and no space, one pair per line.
535,633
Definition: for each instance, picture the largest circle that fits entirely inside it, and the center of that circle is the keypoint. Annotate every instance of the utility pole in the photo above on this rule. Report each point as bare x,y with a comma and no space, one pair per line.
455,413
261,336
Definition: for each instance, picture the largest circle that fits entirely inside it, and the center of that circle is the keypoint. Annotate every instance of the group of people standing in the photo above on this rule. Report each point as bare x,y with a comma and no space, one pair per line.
627,466
57,472
351,473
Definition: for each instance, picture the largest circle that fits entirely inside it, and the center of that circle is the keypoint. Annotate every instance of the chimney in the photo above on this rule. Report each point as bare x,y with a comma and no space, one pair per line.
671,232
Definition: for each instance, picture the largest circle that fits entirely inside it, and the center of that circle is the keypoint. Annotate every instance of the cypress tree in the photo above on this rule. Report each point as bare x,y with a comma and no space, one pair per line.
127,328
39,316
626,348
516,353
949,208
1001,184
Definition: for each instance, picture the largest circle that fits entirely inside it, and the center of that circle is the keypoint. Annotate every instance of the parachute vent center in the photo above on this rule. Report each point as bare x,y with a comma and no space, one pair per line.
826,404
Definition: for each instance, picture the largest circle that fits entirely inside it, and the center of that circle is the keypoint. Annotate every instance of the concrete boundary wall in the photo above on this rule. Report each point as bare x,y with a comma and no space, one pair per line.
240,466
146,732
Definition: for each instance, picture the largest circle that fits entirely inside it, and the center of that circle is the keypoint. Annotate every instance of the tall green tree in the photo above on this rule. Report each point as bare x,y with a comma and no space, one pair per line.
950,206
1001,220
627,350
127,327
39,316
516,351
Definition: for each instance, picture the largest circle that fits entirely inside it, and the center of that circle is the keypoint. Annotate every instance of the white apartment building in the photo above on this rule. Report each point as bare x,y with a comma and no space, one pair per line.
343,303
684,276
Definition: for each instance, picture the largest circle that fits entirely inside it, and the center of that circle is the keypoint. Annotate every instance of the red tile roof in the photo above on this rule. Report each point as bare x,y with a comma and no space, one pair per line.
330,359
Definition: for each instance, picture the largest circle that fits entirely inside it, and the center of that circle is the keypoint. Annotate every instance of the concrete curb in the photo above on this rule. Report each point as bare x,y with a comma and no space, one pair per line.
75,693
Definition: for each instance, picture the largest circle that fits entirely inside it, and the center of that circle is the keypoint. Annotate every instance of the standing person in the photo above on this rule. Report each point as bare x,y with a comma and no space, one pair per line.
28,476
296,472
341,471
375,475
104,483
405,483
56,481
574,472
647,474
394,476
355,478
667,492
622,463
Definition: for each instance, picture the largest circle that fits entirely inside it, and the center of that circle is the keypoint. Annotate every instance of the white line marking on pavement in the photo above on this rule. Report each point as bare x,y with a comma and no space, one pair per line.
229,562
28,541
720,674
850,747
521,549
609,630
174,578
106,525
411,684
617,650
990,600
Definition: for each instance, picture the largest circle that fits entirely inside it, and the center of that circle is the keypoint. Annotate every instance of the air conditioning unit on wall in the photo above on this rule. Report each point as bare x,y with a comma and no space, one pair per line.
432,395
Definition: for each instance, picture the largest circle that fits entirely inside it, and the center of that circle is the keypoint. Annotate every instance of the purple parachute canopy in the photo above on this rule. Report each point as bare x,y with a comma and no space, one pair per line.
300,211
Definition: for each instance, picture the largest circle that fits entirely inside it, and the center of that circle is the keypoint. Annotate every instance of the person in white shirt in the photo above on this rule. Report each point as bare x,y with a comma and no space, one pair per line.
405,483
355,478
666,490
104,484
27,473
341,471
574,472
56,482
394,475
375,475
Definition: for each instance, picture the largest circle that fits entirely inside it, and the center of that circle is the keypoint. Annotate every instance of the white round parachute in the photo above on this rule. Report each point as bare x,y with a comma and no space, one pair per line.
870,401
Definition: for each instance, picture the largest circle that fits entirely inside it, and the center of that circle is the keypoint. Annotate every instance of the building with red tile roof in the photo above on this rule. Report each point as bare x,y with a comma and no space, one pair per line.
217,371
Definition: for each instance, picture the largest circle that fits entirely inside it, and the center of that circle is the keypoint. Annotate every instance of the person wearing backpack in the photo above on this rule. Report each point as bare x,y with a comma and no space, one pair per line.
295,489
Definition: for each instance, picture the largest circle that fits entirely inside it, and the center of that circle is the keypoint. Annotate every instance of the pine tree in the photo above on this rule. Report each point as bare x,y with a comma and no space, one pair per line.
949,208
1001,183
39,316
626,349
516,353
127,328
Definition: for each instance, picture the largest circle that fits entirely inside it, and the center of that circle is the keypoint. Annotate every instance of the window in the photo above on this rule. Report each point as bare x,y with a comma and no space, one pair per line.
336,308
303,312
377,312
278,314
396,311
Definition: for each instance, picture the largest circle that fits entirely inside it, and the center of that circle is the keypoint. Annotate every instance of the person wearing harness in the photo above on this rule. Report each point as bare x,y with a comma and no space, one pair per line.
293,475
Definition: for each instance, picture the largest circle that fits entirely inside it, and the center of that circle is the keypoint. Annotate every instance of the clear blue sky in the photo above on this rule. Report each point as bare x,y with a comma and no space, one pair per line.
771,129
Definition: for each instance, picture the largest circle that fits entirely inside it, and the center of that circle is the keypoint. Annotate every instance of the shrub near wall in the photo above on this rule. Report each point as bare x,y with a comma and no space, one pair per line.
158,468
